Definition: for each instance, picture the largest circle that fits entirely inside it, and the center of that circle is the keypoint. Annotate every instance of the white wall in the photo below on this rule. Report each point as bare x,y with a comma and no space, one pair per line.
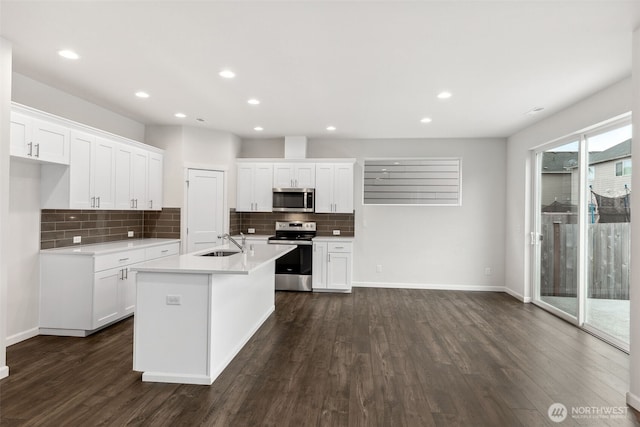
440,247
633,396
23,291
608,103
34,94
5,247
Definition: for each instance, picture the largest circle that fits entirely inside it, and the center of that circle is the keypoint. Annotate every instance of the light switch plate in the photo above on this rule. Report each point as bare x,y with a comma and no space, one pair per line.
336,232
129,233
77,239
251,231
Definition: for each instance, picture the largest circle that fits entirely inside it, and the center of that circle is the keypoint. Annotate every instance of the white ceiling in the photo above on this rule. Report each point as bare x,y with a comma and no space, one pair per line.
372,69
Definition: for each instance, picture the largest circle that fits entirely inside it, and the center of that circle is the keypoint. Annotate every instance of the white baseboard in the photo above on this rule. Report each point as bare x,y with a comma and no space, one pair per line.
21,336
517,295
4,372
483,288
633,401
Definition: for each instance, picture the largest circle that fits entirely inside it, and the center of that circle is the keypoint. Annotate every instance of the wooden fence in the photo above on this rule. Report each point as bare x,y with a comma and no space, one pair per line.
608,248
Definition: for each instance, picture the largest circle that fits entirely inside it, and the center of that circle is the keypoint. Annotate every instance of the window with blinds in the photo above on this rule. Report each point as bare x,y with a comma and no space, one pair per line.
427,181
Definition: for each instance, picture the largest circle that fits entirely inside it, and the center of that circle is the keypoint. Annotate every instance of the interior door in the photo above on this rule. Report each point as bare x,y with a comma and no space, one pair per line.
205,209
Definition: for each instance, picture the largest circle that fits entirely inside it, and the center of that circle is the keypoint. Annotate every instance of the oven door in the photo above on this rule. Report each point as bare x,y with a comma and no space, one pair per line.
298,261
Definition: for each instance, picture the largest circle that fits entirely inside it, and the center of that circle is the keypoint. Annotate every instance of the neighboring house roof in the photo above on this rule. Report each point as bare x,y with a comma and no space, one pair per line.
559,161
619,151
564,161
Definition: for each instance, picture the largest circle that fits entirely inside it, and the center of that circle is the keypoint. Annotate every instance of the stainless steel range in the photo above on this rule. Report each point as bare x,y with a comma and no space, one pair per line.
293,270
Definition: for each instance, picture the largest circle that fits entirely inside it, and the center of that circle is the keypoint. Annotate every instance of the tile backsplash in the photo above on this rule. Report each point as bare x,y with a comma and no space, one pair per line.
264,222
59,226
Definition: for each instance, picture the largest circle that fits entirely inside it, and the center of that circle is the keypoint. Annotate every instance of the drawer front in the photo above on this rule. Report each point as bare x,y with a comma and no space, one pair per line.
339,247
119,259
162,251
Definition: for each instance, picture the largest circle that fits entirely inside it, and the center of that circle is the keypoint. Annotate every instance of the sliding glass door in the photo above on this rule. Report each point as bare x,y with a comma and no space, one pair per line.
582,235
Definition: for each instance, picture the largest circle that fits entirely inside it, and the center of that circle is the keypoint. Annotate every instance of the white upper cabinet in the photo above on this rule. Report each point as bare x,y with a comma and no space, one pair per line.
254,187
101,170
154,185
294,175
37,139
334,188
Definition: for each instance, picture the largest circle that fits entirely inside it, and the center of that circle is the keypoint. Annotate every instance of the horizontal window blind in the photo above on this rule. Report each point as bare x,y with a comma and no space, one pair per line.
433,181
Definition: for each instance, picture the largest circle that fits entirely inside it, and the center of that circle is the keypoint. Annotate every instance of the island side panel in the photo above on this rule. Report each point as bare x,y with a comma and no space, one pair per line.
171,327
240,305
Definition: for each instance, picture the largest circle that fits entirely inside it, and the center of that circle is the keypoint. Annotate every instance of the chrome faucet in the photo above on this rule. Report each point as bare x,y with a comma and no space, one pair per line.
232,240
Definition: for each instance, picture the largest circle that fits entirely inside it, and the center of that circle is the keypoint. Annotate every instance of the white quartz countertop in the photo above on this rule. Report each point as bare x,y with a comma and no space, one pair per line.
256,255
333,239
105,248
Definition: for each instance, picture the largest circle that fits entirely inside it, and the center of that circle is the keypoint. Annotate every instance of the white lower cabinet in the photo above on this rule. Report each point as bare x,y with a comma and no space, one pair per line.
83,293
332,266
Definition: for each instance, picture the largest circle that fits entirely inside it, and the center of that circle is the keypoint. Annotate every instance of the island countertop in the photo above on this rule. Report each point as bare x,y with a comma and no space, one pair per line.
255,256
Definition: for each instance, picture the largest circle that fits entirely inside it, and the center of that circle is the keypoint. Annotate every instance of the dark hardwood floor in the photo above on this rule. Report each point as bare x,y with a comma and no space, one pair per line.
376,357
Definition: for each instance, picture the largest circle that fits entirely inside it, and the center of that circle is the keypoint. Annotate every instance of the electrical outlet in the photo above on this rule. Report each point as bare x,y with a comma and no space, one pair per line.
174,299
379,268
129,233
251,231
77,239
336,232
487,271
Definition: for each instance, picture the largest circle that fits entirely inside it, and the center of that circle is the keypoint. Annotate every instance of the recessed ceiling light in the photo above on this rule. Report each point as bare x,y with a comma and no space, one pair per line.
444,95
425,120
331,128
534,110
180,115
258,128
141,94
253,101
227,74
69,54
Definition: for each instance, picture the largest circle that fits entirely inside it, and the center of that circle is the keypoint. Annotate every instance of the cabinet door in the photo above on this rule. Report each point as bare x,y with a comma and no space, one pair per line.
20,135
319,266
105,297
283,175
140,175
124,164
50,142
244,188
263,187
81,190
154,189
324,188
305,175
339,270
126,292
104,174
343,188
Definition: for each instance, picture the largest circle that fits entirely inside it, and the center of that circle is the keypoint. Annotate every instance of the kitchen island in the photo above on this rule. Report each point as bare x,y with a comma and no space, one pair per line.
195,313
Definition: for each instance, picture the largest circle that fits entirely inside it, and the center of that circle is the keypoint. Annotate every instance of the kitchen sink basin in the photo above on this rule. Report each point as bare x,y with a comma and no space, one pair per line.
221,253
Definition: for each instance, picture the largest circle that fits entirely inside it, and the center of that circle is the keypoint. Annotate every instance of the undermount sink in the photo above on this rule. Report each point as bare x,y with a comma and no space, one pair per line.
221,253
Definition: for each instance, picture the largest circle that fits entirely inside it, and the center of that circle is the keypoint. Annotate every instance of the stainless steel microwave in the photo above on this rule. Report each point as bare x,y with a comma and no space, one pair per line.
293,199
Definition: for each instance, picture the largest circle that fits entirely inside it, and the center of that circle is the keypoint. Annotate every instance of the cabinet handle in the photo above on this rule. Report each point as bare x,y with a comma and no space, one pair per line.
328,257
37,150
123,259
126,273
30,153
131,204
339,247
121,274
164,251
93,202
98,201
136,203
150,204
